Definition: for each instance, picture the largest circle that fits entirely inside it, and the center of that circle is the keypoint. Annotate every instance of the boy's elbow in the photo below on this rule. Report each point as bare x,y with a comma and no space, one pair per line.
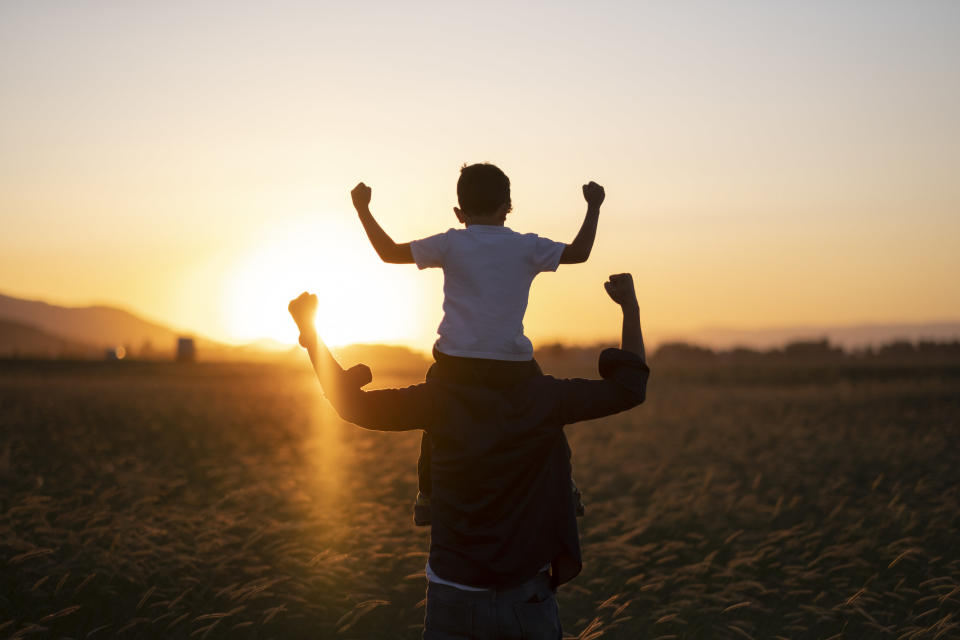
574,255
397,254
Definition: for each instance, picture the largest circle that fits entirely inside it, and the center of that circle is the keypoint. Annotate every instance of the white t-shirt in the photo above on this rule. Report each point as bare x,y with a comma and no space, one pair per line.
487,271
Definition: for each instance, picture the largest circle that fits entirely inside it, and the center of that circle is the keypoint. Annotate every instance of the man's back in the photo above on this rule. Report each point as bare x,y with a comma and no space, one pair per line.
502,505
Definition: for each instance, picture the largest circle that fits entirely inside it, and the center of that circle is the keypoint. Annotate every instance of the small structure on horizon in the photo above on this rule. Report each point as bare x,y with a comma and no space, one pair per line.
115,353
186,350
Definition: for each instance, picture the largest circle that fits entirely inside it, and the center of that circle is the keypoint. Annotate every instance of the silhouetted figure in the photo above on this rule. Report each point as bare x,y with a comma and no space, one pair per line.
504,531
487,273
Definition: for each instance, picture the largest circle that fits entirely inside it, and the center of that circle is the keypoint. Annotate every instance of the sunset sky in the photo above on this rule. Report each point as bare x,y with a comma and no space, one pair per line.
766,163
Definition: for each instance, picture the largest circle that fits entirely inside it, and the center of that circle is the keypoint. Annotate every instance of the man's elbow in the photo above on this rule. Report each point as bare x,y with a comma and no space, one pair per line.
349,406
635,397
631,397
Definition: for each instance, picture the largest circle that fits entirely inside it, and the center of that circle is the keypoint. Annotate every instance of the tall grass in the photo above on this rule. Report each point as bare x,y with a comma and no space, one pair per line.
206,501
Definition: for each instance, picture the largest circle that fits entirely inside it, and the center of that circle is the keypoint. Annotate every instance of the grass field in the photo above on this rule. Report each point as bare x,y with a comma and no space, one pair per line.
214,501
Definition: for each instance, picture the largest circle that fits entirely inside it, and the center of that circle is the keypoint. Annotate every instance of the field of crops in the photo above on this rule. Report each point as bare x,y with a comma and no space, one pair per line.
228,501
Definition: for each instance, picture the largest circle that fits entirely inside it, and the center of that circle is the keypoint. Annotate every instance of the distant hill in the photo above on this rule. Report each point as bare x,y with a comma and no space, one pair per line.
46,330
22,341
98,326
30,328
39,329
383,358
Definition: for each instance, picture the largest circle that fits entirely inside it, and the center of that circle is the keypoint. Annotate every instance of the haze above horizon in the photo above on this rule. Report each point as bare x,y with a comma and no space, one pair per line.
764,166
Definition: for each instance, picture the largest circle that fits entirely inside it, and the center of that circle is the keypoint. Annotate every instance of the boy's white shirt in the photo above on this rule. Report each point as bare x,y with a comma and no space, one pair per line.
487,272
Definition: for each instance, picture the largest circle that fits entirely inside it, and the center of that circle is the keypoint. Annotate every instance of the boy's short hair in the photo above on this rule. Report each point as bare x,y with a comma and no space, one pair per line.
482,189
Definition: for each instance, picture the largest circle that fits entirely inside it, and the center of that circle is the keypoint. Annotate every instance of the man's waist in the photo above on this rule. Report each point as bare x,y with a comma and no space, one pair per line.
485,593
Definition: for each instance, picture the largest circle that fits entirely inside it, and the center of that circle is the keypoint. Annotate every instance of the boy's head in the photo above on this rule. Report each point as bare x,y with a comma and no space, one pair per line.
483,190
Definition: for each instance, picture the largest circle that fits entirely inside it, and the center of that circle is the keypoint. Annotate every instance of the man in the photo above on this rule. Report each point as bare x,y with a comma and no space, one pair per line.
504,532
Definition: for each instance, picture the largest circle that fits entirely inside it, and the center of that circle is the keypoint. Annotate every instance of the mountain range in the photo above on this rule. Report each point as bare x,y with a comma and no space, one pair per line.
36,329
32,328
98,327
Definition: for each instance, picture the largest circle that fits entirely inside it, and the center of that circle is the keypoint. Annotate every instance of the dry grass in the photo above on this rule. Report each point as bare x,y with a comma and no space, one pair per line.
154,501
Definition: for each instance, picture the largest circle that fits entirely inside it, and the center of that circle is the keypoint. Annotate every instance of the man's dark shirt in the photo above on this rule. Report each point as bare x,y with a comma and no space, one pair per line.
502,506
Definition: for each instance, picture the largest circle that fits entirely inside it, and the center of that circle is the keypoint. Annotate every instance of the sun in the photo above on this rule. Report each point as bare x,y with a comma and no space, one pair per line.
361,298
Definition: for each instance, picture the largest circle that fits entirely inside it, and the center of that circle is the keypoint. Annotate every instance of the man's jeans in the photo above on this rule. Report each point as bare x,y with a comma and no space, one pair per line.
526,612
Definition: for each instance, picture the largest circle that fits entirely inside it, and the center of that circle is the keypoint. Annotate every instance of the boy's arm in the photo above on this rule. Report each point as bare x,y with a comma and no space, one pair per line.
386,248
579,250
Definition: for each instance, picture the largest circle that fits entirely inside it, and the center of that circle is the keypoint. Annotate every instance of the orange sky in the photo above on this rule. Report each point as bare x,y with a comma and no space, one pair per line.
763,167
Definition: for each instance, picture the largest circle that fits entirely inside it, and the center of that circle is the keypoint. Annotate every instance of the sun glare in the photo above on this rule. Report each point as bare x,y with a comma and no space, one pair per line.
361,299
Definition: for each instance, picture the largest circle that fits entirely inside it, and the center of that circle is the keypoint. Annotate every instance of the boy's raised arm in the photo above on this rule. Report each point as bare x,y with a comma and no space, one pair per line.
579,250
386,248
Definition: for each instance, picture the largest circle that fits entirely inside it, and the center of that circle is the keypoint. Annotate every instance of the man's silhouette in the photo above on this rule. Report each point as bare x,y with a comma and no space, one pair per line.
504,532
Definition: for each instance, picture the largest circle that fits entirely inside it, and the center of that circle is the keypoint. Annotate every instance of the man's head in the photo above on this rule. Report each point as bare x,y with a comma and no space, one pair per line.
483,192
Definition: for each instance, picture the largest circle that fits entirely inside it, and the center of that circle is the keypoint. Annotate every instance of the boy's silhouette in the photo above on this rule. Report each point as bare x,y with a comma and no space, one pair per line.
488,270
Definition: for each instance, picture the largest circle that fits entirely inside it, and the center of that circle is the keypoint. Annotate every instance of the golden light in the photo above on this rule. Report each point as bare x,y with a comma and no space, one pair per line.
361,298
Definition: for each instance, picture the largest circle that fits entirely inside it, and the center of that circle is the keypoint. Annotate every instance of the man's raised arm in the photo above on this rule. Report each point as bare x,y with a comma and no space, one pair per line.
624,370
383,409
337,383
620,289
386,248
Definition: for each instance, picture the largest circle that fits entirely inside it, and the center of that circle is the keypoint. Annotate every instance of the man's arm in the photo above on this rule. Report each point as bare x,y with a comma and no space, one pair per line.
337,384
386,248
579,250
624,371
384,409
620,289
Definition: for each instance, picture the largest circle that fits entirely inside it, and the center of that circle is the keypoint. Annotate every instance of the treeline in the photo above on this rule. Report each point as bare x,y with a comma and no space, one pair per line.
819,350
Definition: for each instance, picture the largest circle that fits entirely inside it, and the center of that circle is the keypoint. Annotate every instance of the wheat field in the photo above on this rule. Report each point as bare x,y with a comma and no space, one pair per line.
228,501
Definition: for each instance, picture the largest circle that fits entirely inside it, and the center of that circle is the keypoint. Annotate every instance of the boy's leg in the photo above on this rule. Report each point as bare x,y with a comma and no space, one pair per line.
421,509
577,499
577,496
425,485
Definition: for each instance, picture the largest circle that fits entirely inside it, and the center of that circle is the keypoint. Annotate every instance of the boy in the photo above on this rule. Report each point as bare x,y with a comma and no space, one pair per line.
487,272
